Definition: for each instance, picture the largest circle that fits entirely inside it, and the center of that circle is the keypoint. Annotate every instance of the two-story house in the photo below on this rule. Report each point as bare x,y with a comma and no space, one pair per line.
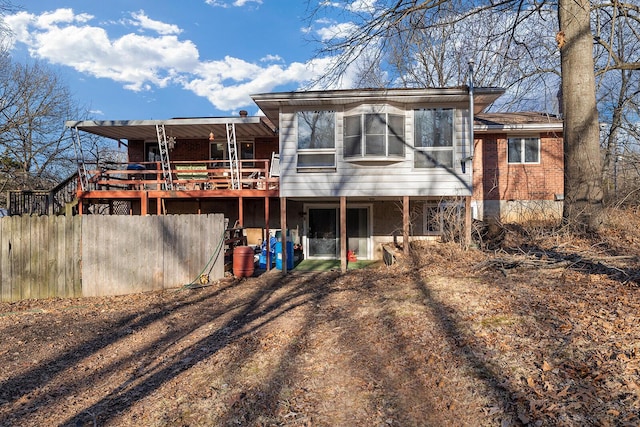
342,170
361,167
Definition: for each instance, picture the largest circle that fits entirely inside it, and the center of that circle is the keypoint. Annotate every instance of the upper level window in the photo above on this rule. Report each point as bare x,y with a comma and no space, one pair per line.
524,150
316,139
433,138
151,152
218,151
374,135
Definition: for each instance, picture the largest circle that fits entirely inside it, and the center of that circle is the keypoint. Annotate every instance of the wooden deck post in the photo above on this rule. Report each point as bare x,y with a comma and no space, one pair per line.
405,225
283,233
144,203
343,234
241,211
467,221
266,232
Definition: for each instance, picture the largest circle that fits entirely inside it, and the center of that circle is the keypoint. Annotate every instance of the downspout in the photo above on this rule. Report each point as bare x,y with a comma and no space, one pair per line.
471,104
468,214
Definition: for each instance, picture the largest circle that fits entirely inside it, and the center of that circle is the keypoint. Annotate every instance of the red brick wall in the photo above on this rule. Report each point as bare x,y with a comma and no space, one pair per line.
495,179
190,149
136,151
265,146
198,149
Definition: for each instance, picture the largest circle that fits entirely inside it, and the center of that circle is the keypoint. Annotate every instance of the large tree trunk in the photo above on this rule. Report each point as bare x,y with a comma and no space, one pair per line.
583,203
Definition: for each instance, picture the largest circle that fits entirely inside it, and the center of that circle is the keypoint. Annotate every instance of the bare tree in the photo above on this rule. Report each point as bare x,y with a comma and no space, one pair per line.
617,40
36,150
378,26
519,61
583,204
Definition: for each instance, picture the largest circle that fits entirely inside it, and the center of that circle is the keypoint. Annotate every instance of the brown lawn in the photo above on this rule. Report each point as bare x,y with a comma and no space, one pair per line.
542,330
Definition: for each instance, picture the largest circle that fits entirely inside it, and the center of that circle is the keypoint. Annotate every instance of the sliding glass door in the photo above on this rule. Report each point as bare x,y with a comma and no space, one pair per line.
323,231
358,232
323,234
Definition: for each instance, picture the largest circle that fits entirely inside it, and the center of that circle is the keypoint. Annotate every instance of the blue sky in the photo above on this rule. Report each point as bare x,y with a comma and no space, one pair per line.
150,59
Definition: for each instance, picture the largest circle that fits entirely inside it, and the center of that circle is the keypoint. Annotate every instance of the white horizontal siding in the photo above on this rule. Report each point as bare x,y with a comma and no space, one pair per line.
373,179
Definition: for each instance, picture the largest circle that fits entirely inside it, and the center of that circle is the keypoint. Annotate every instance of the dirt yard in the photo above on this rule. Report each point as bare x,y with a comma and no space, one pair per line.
542,330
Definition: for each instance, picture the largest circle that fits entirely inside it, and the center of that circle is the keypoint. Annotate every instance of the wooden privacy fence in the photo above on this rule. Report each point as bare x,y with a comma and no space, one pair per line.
40,257
96,255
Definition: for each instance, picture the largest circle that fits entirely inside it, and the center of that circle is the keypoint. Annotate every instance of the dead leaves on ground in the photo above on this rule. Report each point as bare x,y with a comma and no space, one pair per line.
444,337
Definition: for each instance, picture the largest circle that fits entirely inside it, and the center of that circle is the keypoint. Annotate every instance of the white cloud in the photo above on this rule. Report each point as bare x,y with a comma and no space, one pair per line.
143,62
228,3
329,29
61,16
359,6
228,84
19,25
240,3
132,59
271,58
336,31
144,22
217,3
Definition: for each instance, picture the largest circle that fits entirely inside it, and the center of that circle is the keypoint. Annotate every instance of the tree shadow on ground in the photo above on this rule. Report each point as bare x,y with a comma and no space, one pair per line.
576,296
359,318
582,263
239,318
249,314
41,374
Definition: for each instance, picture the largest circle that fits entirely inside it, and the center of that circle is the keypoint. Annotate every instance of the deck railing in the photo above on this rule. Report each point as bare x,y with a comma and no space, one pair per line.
194,175
43,202
185,176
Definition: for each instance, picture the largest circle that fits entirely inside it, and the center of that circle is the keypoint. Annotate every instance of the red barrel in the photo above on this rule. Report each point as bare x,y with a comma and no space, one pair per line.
243,261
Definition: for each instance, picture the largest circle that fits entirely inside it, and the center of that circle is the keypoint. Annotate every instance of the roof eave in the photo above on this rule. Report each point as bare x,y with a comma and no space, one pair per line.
184,127
167,122
522,127
270,103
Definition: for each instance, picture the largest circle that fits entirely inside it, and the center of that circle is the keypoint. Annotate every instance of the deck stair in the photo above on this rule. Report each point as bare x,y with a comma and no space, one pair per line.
61,200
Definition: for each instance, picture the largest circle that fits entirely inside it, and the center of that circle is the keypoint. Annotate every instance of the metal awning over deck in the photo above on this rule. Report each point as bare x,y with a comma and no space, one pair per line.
180,128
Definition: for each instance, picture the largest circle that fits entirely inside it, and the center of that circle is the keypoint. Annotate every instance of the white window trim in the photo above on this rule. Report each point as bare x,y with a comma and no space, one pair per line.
451,148
317,150
522,150
361,112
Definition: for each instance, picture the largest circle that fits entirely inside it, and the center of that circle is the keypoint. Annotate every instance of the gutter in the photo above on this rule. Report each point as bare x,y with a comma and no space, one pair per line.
530,127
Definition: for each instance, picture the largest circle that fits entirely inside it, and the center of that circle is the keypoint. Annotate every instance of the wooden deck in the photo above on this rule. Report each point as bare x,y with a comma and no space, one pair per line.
197,180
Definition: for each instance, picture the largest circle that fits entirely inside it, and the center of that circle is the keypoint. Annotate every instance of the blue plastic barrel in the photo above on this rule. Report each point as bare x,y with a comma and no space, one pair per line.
262,259
289,255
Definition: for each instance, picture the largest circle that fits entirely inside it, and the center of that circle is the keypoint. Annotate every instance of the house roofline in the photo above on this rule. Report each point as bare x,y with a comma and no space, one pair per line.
184,128
270,103
167,122
373,93
532,127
